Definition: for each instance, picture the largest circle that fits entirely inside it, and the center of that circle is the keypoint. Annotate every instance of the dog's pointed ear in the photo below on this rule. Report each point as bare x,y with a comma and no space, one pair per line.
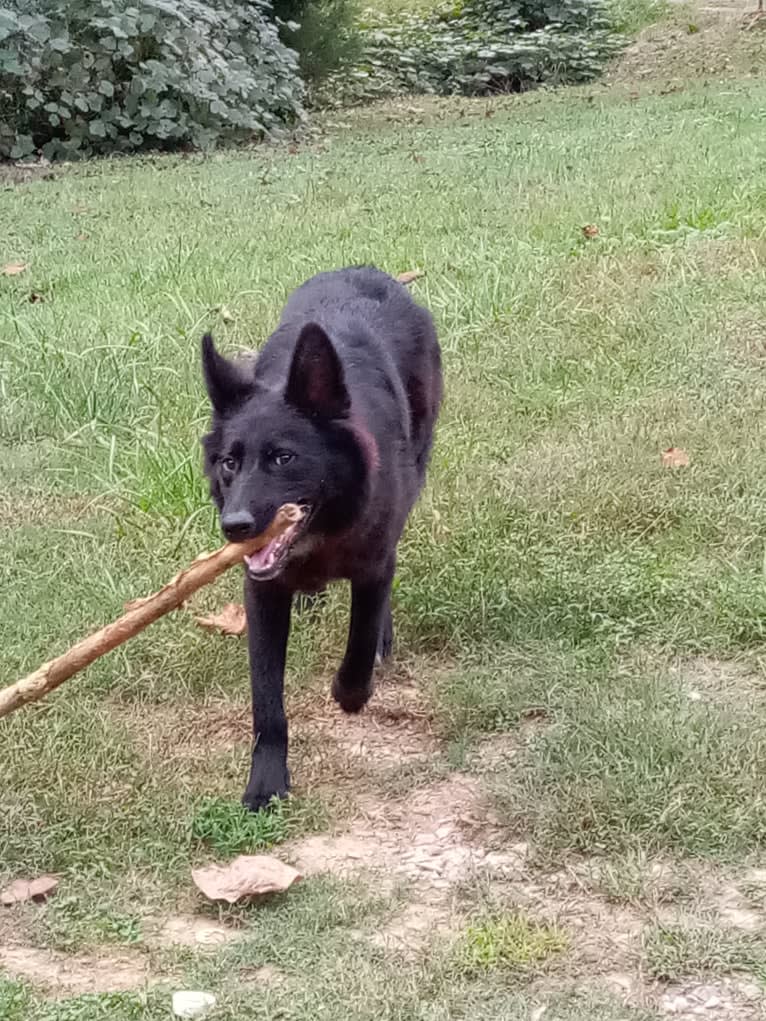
227,385
316,383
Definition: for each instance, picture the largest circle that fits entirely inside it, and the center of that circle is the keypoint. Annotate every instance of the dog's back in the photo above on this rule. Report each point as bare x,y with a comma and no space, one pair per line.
387,344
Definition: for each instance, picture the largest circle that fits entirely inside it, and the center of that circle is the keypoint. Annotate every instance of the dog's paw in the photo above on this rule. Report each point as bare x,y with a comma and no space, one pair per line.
352,698
267,781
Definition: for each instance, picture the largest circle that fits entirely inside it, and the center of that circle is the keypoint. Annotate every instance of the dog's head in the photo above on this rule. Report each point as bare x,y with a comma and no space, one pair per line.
267,448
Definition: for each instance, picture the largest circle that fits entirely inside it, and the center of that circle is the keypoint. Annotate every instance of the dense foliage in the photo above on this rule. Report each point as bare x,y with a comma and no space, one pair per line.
324,33
96,76
478,47
101,76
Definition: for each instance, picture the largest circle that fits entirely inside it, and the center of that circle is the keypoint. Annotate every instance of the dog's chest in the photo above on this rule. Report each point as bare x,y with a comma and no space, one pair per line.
330,560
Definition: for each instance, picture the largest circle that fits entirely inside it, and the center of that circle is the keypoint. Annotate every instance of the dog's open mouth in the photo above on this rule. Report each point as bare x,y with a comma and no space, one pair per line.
267,563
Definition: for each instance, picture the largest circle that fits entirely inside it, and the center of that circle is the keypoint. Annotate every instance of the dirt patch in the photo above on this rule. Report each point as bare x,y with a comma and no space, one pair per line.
727,1000
445,840
177,732
702,42
744,335
71,975
12,174
720,682
439,836
394,732
327,746
193,931
265,975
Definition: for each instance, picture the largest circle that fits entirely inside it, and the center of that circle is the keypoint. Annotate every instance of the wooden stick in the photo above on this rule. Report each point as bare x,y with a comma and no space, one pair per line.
140,613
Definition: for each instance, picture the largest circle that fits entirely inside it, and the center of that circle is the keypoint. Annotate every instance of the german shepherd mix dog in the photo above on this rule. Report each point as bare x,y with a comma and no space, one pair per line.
336,414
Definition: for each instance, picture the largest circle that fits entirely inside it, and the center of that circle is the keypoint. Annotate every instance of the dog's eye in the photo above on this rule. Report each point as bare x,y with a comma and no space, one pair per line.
228,465
282,457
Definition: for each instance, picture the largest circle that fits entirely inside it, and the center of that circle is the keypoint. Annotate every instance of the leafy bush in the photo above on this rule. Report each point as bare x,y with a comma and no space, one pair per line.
324,33
479,47
96,76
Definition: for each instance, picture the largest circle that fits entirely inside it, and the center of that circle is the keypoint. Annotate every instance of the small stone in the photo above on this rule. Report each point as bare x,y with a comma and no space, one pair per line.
750,991
674,1004
191,1003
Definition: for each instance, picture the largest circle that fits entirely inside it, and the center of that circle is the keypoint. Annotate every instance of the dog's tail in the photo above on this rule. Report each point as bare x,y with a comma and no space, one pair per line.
410,275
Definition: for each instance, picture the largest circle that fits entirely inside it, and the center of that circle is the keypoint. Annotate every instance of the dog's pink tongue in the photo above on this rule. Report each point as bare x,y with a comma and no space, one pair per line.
262,558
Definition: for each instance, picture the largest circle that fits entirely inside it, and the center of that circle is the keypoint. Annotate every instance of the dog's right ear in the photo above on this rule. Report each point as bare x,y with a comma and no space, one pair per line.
227,385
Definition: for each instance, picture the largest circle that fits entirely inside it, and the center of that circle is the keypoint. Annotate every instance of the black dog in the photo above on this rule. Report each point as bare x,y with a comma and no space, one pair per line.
336,414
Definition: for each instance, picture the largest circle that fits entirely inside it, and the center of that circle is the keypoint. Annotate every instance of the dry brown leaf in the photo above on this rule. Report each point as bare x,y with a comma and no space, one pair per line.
410,275
590,230
13,269
231,620
247,876
82,237
22,890
675,457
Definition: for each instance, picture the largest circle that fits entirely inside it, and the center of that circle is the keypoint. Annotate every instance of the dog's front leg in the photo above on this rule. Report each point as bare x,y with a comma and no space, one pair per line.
268,626
370,621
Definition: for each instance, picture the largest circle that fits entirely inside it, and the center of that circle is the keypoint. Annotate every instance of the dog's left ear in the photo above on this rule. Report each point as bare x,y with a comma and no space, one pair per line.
316,384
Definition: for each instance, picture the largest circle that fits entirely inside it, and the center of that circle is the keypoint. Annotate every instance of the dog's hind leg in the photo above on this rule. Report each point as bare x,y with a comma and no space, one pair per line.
386,640
370,615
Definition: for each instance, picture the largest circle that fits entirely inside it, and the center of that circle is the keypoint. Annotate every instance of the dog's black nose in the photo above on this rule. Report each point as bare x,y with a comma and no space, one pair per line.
237,525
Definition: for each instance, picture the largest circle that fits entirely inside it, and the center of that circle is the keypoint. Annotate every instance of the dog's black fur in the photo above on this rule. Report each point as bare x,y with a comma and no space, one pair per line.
337,414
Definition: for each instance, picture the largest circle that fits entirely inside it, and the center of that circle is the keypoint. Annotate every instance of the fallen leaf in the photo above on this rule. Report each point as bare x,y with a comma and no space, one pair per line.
675,457
246,876
226,314
35,298
79,210
231,620
82,237
22,890
410,275
590,230
13,269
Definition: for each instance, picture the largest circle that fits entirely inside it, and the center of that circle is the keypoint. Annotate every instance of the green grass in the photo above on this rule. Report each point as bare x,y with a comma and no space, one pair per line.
676,952
630,16
550,581
512,943
624,759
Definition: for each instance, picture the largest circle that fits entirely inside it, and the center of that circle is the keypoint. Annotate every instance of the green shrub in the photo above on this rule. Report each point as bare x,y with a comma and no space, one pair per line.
98,76
479,47
324,33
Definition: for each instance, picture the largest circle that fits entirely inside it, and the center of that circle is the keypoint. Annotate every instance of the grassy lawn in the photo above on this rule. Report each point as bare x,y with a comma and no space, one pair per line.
562,780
